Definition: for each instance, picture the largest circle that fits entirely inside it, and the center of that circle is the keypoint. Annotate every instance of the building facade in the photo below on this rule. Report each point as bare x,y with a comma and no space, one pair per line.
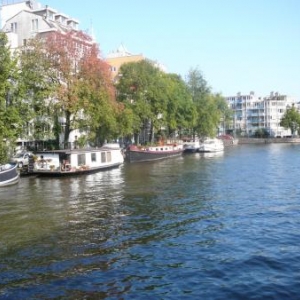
23,20
117,58
252,113
121,55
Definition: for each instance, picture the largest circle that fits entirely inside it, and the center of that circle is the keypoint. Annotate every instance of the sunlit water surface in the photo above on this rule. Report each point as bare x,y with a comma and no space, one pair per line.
200,226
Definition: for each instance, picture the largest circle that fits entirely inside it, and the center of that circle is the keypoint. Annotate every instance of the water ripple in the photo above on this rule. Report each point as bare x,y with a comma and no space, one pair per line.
196,227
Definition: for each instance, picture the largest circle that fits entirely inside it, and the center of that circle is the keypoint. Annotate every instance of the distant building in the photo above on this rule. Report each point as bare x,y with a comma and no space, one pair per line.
121,56
252,113
117,58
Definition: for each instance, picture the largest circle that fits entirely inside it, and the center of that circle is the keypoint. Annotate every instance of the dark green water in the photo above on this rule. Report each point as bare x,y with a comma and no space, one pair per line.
194,227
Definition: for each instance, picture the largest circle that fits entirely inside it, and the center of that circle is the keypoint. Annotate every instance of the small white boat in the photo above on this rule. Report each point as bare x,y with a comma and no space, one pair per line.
77,161
191,147
8,174
211,145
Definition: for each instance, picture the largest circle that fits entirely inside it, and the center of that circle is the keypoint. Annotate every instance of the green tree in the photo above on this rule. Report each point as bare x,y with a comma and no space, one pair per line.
207,105
181,112
39,81
11,121
142,89
291,120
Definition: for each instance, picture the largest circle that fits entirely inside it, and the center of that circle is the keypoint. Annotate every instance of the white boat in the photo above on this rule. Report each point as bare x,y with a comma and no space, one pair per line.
211,145
77,161
8,174
191,147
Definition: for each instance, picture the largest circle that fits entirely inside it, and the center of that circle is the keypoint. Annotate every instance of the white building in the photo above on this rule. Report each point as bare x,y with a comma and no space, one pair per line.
252,112
23,20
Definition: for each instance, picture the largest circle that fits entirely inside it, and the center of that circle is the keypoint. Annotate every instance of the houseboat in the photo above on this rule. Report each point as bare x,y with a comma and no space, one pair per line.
77,161
144,153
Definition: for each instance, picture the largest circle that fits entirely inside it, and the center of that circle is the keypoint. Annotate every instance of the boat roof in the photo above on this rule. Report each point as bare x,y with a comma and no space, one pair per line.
76,151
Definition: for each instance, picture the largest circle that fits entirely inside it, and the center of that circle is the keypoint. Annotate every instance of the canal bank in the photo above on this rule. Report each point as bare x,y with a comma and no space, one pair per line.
267,140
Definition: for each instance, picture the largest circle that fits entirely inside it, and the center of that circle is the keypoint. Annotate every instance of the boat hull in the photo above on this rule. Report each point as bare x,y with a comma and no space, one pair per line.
9,175
191,147
49,173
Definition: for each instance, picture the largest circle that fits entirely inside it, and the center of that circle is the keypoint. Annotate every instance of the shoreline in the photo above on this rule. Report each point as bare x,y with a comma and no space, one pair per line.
267,140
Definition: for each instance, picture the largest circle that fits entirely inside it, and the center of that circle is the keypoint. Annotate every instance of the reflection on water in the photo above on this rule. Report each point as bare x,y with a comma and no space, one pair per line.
201,226
212,154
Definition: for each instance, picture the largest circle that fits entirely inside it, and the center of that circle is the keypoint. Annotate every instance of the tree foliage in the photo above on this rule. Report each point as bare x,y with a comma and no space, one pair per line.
97,98
141,89
11,121
210,108
70,85
156,99
64,85
291,120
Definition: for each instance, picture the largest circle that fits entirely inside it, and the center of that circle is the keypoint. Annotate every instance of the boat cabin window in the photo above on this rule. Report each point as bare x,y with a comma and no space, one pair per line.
81,159
108,156
103,157
93,157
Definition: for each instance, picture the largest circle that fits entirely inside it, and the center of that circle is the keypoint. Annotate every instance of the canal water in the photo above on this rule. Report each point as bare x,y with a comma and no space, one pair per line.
199,226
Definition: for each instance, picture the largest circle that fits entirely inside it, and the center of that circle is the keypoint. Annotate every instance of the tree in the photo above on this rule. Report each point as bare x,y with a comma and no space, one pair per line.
142,89
291,120
10,106
207,105
97,98
63,53
70,86
39,81
180,113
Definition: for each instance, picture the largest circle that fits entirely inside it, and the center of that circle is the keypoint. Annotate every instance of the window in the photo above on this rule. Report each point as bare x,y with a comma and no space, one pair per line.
34,25
13,27
81,159
108,156
93,157
103,157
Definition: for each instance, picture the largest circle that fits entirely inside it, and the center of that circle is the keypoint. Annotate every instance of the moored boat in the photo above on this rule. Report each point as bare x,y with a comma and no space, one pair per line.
191,147
77,161
152,153
211,145
8,174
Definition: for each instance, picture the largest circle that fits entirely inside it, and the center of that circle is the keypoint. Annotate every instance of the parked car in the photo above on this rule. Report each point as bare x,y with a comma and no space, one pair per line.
21,159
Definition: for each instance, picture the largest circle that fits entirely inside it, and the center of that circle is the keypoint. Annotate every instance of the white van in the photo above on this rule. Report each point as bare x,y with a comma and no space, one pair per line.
21,159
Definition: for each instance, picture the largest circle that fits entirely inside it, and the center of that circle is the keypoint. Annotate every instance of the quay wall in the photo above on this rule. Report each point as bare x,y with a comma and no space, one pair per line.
267,140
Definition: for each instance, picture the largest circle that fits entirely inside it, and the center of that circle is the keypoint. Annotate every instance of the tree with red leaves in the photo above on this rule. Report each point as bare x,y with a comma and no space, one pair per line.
79,87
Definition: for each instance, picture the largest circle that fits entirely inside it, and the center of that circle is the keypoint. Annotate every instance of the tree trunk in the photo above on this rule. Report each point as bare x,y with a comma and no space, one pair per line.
67,127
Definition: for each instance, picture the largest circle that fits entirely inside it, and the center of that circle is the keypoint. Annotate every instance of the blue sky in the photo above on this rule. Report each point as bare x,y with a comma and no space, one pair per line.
238,45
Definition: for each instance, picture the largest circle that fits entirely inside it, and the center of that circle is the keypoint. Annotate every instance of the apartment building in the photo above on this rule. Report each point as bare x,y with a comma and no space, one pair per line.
252,112
23,20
